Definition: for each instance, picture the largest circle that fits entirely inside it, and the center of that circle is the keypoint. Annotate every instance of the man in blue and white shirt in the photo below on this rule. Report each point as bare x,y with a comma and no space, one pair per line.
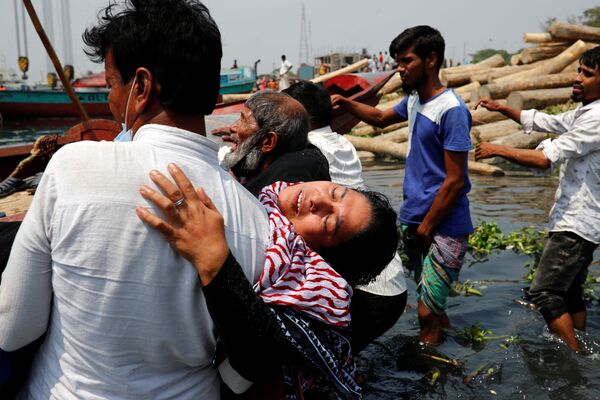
575,216
435,213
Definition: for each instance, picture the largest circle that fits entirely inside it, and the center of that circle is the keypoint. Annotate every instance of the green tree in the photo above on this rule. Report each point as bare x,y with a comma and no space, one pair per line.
544,26
591,17
486,53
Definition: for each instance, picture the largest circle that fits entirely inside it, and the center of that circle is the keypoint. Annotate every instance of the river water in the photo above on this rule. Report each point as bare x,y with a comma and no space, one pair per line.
535,366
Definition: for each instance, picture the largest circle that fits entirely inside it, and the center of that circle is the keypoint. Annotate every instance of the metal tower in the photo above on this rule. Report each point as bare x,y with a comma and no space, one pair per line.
303,55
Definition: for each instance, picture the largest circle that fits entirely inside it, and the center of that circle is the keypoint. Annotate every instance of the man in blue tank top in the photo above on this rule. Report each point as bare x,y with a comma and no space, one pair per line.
434,215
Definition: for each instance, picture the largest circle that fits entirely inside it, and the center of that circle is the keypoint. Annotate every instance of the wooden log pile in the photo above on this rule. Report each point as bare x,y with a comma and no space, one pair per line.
539,76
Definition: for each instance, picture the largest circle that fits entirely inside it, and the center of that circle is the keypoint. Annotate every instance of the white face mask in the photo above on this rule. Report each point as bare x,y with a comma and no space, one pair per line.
126,135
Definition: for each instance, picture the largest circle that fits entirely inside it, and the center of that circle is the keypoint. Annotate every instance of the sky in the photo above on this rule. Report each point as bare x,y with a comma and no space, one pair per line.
265,29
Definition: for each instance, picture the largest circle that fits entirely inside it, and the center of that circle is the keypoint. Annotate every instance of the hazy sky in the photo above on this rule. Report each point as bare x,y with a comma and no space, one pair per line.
265,29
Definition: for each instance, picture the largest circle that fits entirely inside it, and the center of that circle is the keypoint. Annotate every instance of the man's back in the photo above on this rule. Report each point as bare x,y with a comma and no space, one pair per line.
128,318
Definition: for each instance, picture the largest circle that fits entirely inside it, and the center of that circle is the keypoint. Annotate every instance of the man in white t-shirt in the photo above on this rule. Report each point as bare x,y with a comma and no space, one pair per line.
124,315
284,80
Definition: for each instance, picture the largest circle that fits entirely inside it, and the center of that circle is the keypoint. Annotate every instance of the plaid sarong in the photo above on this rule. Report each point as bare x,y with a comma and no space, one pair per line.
435,272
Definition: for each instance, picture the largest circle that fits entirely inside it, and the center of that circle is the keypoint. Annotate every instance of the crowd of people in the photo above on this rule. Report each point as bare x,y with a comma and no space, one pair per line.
173,268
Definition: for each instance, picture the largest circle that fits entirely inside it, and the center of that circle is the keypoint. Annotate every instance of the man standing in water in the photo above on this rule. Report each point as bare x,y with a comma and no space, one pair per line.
575,216
435,214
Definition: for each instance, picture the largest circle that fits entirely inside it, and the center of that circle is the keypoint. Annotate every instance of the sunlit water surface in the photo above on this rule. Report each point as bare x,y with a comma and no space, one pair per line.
537,366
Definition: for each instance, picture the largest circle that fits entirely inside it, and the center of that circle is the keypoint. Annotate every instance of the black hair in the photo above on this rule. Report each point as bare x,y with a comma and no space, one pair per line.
363,257
277,112
315,100
423,40
177,40
591,58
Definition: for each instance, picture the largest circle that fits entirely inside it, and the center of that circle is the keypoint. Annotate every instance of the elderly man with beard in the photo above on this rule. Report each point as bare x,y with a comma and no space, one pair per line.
435,214
575,217
270,144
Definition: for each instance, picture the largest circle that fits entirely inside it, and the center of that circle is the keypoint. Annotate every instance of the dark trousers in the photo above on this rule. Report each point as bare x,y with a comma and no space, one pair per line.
14,366
558,284
372,315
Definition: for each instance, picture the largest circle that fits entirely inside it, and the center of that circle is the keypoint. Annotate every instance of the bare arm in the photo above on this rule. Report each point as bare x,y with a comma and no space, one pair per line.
455,162
525,157
371,115
491,105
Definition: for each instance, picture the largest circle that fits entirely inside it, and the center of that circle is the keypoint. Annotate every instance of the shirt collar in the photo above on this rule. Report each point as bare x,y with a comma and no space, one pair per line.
593,104
325,129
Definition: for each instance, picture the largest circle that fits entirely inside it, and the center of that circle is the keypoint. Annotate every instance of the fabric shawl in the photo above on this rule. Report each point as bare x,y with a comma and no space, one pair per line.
296,276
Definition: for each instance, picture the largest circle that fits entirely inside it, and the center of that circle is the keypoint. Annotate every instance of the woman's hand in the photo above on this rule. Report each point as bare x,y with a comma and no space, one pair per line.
193,227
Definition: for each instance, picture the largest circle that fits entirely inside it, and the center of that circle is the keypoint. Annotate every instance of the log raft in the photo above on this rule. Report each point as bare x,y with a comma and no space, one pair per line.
400,151
500,90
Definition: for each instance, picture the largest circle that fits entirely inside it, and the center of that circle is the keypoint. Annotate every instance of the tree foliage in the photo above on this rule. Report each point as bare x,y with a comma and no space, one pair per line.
591,17
486,53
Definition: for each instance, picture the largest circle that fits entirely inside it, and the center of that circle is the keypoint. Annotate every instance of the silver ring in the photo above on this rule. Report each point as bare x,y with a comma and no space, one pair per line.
179,202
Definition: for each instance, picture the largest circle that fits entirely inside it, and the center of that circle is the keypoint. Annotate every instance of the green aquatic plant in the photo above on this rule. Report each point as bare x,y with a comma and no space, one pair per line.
508,341
526,241
560,108
474,335
466,288
590,286
486,238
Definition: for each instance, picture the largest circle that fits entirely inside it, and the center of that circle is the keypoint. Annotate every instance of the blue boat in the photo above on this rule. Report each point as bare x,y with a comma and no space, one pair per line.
238,80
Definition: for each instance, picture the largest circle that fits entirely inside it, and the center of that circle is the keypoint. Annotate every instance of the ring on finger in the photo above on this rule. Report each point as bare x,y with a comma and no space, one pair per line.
179,202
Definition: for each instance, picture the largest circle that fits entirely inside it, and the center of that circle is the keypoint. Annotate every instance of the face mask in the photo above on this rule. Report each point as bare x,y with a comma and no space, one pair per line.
126,135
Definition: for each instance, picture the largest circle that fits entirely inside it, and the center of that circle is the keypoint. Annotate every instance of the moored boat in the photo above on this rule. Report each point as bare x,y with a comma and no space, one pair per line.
365,91
52,103
238,80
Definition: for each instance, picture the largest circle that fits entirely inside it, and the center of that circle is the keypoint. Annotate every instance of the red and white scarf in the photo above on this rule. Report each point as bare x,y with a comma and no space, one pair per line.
296,276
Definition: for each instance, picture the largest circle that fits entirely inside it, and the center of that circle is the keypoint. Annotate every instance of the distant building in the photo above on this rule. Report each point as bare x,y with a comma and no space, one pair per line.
335,61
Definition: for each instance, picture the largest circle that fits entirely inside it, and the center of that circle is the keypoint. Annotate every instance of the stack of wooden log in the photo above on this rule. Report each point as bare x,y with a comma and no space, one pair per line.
537,77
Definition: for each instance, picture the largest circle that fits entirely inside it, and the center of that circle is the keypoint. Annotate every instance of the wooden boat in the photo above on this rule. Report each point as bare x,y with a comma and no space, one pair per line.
365,90
52,103
238,80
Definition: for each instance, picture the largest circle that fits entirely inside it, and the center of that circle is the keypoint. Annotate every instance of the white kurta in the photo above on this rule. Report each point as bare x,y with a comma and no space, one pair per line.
125,314
345,169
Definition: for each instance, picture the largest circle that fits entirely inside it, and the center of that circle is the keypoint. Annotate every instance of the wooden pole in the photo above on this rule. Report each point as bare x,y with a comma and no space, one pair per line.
350,68
540,98
55,61
542,37
400,150
553,65
501,90
561,31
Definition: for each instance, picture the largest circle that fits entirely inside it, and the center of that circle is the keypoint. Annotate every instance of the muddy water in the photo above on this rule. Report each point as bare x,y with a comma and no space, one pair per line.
537,366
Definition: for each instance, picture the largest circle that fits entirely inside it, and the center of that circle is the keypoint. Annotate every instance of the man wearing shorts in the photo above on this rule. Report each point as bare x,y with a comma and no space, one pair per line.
435,214
575,217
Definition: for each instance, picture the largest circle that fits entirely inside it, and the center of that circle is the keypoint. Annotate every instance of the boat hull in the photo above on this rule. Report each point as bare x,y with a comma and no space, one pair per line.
51,103
240,87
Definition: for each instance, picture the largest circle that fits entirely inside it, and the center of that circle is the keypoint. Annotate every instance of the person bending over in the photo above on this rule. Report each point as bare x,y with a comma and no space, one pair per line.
298,291
575,217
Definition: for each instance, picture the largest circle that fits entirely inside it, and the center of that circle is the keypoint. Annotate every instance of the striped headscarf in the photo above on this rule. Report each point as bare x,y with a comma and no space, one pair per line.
296,276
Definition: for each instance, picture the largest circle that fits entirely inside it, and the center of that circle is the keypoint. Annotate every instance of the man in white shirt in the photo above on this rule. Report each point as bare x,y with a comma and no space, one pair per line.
377,306
124,314
284,80
575,216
